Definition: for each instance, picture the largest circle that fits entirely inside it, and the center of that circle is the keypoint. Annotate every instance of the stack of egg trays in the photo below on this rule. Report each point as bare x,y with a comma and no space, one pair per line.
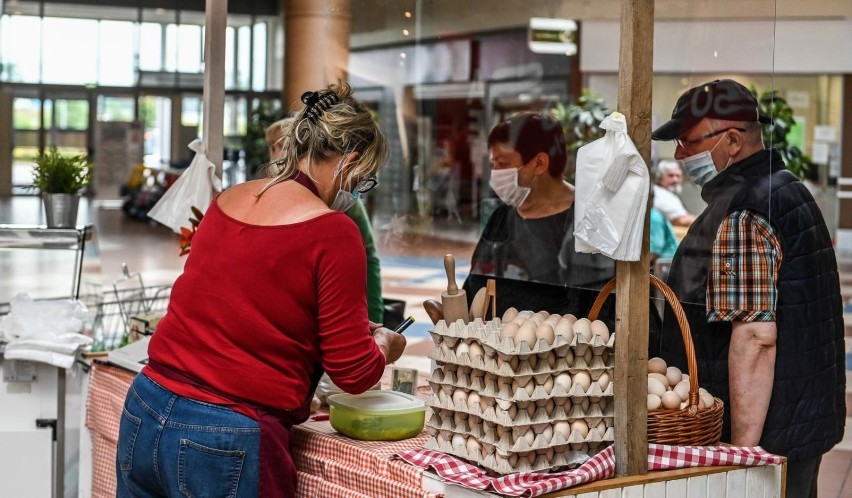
503,416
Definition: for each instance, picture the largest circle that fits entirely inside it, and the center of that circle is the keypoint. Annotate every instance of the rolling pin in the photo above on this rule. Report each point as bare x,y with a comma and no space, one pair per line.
454,300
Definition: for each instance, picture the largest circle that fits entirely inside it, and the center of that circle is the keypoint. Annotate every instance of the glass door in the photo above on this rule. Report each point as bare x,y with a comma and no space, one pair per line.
26,131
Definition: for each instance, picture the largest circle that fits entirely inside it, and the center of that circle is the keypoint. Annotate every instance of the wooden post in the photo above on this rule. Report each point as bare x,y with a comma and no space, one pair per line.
215,23
632,283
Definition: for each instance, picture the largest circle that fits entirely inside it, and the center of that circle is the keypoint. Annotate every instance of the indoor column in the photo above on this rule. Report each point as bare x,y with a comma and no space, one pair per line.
316,45
844,181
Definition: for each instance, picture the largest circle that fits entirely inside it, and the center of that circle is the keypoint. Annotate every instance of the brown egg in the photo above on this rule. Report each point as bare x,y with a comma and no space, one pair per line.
600,329
660,377
571,318
582,378
509,330
580,426
509,315
526,333
545,331
670,400
657,365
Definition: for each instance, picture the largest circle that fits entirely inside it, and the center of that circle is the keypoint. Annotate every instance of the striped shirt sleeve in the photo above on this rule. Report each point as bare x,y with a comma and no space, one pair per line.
742,284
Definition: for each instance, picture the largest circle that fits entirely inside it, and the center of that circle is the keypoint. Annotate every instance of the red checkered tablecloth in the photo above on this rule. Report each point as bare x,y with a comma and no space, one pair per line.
329,464
600,466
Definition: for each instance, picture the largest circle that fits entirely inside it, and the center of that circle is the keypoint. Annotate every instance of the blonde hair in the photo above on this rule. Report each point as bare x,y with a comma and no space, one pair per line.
343,127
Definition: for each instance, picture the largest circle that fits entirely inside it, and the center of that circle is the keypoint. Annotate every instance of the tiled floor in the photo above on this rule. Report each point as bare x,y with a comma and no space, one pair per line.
411,268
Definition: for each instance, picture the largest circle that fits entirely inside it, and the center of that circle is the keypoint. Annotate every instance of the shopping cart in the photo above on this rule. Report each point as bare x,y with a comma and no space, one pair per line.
115,311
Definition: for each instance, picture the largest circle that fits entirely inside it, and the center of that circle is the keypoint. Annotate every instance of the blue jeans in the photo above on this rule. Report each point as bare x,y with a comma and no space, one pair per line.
169,445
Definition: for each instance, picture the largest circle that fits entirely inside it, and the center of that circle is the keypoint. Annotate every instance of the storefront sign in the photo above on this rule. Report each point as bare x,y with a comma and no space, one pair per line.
552,36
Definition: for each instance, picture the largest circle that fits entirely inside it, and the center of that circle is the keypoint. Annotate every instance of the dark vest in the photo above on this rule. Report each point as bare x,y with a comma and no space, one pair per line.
807,413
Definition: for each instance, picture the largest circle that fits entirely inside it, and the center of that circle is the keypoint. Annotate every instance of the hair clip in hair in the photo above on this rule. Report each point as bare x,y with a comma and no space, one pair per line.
316,104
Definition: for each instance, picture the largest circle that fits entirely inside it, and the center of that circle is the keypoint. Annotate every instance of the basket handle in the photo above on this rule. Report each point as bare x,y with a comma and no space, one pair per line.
674,303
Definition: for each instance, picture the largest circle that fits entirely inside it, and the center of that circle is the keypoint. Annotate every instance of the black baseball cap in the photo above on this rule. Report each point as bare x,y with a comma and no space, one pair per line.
719,99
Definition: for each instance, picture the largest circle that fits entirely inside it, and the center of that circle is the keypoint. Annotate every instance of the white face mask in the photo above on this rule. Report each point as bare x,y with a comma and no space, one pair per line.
505,185
344,198
700,167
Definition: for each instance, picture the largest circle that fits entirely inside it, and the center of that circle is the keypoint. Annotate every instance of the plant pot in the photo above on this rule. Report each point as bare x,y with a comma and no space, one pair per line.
61,210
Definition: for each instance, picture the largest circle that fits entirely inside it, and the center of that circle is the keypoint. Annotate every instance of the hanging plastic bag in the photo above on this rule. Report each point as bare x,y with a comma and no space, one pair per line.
611,218
195,187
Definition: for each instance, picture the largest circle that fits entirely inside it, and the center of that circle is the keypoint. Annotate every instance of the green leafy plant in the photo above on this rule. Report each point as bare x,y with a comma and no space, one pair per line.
580,122
55,173
772,104
254,142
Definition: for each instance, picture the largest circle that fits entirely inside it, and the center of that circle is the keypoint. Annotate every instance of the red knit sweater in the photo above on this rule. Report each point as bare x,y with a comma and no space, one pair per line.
257,306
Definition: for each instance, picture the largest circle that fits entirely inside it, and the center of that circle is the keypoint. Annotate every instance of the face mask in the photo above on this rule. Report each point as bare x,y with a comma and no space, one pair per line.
700,167
505,185
344,200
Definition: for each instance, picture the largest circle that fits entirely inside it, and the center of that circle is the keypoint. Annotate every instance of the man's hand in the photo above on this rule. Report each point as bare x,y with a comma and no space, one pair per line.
751,371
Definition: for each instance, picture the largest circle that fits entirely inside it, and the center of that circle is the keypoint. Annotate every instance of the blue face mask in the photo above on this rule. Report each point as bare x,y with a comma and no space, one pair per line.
344,200
700,167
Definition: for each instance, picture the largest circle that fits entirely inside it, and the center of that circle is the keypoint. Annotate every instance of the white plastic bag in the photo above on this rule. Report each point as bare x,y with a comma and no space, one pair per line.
195,187
615,181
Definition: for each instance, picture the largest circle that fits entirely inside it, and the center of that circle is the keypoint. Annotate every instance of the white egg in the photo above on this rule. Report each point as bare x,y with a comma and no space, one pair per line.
509,315
583,328
662,379
459,397
654,402
553,319
708,399
682,391
563,428
564,328
547,433
543,314
571,318
674,375
462,348
657,365
583,380
441,438
525,314
656,387
459,441
564,380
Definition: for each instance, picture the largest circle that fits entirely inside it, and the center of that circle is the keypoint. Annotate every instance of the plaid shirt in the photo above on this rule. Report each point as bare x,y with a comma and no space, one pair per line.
743,279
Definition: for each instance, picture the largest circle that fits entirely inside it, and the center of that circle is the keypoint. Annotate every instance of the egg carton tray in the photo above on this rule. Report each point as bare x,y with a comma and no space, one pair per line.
521,366
487,334
523,438
519,414
501,385
513,390
503,463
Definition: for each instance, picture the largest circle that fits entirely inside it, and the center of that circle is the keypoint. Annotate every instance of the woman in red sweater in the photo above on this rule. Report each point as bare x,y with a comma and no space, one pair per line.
272,294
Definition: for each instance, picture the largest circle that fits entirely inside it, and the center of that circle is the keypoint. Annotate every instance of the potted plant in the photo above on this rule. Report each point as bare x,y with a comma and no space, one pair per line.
581,123
59,179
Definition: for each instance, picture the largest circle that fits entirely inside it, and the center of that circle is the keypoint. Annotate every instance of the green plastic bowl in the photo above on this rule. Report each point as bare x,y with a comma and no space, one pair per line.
377,415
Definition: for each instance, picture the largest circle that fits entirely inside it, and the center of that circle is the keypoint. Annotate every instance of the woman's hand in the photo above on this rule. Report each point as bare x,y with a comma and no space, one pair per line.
391,343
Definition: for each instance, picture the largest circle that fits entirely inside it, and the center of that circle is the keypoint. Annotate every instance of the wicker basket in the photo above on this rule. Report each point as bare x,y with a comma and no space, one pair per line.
688,426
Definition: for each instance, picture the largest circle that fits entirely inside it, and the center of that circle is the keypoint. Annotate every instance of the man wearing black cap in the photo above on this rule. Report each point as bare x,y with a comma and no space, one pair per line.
757,277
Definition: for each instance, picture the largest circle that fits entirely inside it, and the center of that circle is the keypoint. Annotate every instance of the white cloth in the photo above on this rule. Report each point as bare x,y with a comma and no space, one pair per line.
44,331
668,203
611,220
